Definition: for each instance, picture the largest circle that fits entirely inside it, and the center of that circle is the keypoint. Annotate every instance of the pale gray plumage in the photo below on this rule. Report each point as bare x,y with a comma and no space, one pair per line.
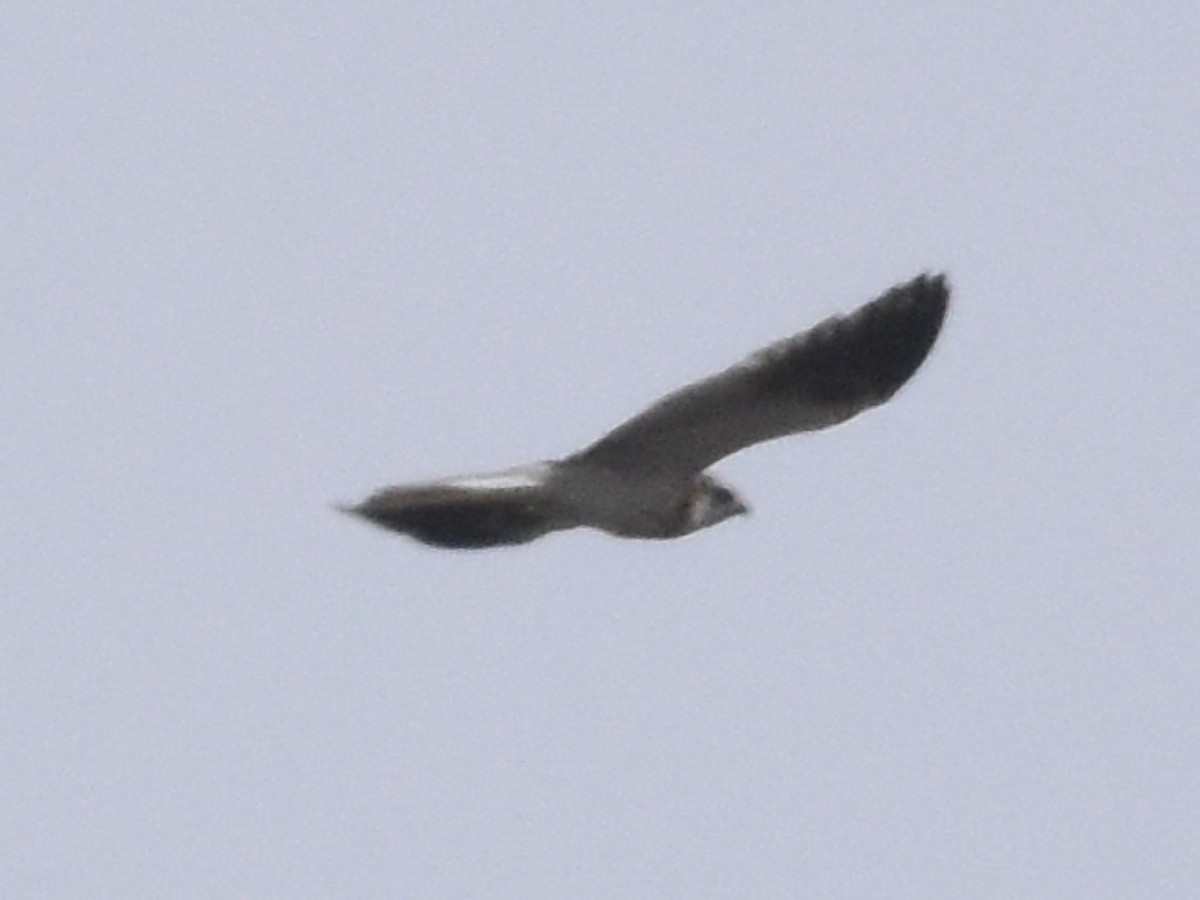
646,477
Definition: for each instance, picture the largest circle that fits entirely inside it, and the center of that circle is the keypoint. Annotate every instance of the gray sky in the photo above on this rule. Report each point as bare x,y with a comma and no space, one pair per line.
257,260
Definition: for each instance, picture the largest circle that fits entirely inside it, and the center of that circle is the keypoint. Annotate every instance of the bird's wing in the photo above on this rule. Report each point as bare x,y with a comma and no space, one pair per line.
510,507
812,380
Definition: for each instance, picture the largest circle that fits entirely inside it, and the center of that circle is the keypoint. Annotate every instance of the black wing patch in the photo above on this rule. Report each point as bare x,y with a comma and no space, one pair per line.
811,380
457,524
860,359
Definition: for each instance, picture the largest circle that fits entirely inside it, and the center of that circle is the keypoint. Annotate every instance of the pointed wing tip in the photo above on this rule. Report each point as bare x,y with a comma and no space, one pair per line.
456,519
930,289
913,314
855,361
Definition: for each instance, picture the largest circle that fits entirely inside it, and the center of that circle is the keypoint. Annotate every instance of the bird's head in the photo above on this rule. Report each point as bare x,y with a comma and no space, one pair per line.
710,502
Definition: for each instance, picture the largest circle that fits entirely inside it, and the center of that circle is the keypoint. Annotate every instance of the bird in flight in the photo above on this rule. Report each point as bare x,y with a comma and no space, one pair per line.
647,478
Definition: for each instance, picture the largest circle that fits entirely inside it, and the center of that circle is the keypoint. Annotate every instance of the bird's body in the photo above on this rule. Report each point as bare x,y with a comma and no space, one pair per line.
646,478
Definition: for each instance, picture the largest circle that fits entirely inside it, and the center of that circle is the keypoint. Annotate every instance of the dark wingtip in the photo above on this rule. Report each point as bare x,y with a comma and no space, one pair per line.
456,525
900,328
918,311
863,358
930,290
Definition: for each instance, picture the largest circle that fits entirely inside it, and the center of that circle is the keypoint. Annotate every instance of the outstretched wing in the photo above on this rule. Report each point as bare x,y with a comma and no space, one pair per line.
812,380
463,513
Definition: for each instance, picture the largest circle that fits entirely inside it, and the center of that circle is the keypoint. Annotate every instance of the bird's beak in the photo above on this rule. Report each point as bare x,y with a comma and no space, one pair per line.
741,509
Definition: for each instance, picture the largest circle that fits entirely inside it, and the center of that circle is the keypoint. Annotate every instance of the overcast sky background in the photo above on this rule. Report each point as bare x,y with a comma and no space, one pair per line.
261,258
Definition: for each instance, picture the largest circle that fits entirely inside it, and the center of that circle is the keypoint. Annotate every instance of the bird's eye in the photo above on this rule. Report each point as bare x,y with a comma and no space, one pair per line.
723,496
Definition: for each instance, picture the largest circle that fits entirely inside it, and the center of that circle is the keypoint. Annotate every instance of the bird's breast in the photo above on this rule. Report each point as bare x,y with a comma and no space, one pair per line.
622,503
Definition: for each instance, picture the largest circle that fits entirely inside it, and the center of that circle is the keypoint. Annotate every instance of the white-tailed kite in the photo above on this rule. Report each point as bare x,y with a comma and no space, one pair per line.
646,478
